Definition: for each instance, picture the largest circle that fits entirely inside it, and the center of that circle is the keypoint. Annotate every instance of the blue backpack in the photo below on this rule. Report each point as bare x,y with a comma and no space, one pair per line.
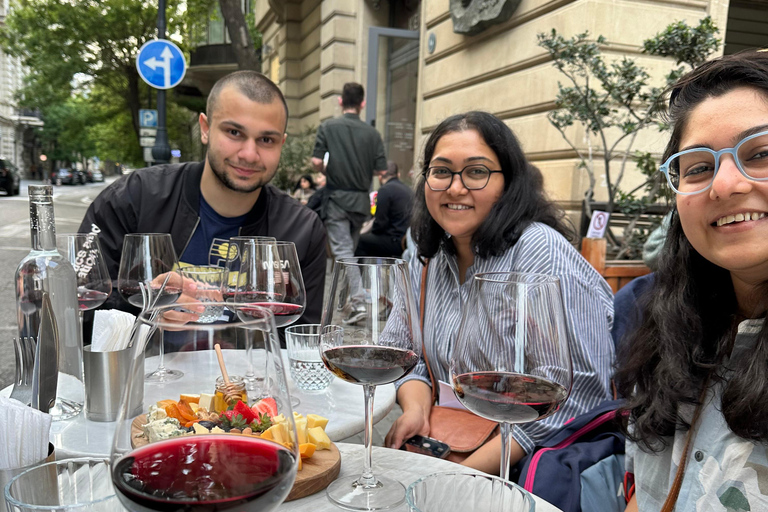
581,466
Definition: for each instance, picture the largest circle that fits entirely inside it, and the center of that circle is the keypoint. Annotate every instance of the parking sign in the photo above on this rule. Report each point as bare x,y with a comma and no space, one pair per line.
148,118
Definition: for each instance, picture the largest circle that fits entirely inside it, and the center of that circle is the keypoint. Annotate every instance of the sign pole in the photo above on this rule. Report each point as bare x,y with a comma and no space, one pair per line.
161,153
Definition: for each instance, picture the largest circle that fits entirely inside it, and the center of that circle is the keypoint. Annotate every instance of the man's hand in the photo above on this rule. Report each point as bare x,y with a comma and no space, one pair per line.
318,165
192,306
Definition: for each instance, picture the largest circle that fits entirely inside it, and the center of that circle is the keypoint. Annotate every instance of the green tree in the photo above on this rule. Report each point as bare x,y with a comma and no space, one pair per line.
96,41
614,101
295,159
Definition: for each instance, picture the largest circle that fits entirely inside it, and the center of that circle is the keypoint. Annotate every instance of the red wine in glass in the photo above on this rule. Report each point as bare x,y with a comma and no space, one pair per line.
205,473
131,291
369,364
90,299
509,397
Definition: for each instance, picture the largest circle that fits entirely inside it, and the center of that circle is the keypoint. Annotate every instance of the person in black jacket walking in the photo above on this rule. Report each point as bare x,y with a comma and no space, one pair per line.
393,214
203,204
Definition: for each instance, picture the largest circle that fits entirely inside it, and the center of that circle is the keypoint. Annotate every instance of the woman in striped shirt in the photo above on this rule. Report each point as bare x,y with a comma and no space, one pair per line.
480,207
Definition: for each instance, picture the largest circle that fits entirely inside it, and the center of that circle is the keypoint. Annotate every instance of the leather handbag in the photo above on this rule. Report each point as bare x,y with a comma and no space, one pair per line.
460,429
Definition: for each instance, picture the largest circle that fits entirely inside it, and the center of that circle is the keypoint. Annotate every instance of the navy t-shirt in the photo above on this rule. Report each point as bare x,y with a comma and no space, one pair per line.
210,242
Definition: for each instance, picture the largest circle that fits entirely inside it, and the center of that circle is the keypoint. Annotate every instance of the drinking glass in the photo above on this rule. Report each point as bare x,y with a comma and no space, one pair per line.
235,248
149,277
270,277
80,484
383,346
512,361
307,368
209,282
93,282
175,464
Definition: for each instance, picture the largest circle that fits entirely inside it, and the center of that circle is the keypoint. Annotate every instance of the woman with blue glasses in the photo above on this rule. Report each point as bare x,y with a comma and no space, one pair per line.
696,370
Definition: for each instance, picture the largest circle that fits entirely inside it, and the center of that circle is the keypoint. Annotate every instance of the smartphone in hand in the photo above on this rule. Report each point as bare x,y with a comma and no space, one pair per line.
427,446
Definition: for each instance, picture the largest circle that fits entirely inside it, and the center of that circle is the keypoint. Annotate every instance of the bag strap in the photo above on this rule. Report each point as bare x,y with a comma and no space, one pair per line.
422,308
674,491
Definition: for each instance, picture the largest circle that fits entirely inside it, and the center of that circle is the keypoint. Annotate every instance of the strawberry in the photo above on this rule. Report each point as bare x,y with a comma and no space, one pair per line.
245,411
266,406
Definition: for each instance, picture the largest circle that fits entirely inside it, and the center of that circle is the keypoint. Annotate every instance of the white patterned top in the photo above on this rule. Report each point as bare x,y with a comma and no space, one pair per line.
724,472
588,303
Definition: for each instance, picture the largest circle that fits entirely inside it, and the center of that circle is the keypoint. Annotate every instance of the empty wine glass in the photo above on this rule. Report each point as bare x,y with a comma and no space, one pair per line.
93,282
178,461
382,346
149,277
512,362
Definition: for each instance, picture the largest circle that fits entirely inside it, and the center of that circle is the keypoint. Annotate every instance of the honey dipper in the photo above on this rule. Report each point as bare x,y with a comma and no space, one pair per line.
229,393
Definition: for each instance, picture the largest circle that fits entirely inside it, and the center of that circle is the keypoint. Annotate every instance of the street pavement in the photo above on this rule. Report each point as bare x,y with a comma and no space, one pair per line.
70,203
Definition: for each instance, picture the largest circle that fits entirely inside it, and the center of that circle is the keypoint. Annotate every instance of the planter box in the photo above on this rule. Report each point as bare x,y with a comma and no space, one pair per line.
617,273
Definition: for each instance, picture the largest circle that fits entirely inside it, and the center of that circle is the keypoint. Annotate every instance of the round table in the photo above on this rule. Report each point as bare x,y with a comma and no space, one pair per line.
341,402
404,466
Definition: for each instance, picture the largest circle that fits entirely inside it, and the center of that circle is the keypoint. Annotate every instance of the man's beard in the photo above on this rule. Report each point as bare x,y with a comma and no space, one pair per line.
228,182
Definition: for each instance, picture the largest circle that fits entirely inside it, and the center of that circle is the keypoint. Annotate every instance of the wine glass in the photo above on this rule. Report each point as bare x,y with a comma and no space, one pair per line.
149,277
235,248
93,282
192,467
381,347
270,277
512,361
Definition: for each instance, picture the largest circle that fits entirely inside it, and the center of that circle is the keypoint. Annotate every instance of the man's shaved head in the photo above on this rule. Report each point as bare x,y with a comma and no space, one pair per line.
252,84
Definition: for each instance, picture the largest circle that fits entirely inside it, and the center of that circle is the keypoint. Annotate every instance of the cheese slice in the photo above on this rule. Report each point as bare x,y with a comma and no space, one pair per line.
206,402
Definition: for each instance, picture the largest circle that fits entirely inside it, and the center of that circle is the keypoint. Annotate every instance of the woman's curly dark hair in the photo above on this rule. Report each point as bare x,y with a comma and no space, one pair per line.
690,313
522,202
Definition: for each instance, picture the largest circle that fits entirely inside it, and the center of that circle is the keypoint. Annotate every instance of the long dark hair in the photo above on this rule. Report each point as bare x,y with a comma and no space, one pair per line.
690,314
307,177
522,202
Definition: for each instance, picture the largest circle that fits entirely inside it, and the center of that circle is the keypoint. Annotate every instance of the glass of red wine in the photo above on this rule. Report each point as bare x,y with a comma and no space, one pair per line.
191,445
149,277
270,277
381,347
93,282
512,362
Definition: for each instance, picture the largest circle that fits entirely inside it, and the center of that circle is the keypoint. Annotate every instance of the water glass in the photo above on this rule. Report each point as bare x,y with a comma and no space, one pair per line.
63,486
458,492
307,368
209,281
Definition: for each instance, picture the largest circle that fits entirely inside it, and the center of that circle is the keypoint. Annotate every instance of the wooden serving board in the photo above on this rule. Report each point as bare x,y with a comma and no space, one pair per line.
316,474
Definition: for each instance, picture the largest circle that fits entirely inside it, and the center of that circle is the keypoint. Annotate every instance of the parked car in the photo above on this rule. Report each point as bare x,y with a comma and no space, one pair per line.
10,179
94,176
64,176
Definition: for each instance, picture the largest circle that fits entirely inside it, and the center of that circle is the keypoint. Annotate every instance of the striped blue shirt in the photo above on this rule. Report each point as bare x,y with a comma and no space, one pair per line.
588,303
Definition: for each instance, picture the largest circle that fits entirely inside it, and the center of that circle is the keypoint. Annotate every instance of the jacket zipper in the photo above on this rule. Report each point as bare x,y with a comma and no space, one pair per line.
529,477
189,239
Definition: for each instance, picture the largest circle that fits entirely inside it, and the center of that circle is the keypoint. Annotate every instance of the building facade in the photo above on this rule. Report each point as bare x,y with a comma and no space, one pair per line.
17,142
417,69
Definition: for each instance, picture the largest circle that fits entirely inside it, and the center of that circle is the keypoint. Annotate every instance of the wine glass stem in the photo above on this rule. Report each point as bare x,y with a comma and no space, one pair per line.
367,479
506,438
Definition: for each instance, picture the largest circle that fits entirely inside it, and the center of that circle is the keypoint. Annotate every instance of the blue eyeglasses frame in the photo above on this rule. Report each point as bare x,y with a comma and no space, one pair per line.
717,154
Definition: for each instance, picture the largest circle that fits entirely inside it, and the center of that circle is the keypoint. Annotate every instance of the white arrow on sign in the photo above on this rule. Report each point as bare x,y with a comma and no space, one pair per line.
164,62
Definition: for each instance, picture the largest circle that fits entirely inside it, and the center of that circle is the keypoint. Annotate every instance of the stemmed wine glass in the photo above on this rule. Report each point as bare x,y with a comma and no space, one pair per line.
149,277
512,361
235,248
270,277
381,347
93,282
190,466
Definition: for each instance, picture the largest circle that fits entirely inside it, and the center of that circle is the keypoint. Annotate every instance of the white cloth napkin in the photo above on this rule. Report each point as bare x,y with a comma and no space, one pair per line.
111,330
24,434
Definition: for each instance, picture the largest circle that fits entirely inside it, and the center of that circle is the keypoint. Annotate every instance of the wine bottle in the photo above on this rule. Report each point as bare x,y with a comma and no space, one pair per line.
44,269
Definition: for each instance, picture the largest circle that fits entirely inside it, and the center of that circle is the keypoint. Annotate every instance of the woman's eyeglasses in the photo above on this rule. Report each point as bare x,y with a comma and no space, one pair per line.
693,171
473,177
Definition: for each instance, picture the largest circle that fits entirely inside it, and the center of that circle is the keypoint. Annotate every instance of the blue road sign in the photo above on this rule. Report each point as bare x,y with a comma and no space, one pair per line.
161,64
148,118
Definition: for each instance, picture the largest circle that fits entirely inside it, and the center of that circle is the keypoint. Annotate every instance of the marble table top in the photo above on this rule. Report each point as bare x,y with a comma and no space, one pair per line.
341,402
404,466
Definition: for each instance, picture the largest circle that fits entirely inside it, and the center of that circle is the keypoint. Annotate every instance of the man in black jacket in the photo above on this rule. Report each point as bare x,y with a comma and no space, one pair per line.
203,204
393,214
